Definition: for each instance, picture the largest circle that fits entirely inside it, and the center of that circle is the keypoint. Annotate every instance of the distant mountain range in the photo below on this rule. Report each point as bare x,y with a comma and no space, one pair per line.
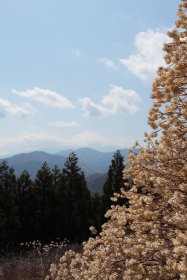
95,164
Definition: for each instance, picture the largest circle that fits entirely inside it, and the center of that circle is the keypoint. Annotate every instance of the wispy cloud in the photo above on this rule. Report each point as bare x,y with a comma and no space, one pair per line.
46,97
13,110
63,123
108,63
87,138
39,140
148,56
76,53
118,100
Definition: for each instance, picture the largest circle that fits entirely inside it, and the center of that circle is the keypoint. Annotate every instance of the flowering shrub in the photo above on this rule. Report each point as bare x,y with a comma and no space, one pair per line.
147,240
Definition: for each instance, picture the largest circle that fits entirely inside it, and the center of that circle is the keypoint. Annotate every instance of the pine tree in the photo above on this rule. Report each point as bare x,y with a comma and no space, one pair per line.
114,180
98,209
58,202
148,240
78,200
27,204
44,192
9,220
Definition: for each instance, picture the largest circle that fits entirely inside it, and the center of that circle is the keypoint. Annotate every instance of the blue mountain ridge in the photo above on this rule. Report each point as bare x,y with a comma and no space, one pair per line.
94,163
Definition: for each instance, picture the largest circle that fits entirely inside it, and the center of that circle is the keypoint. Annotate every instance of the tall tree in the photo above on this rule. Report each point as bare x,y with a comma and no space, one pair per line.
9,220
98,206
44,192
27,204
78,200
57,225
114,181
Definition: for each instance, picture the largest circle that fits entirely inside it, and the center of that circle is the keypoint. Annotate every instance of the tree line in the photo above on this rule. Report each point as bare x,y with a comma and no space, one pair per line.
57,204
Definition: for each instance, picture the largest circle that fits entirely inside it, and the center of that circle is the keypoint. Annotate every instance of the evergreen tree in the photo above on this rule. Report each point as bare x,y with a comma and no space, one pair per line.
58,201
98,210
27,203
44,192
78,200
9,220
114,181
56,175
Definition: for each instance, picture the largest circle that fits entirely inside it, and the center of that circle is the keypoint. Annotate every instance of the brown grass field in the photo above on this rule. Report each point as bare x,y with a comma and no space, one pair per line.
32,264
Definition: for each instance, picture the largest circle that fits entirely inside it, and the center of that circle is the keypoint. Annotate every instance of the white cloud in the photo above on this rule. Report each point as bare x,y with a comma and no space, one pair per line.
108,63
39,140
91,109
63,123
118,100
46,97
13,110
26,142
87,138
148,56
76,53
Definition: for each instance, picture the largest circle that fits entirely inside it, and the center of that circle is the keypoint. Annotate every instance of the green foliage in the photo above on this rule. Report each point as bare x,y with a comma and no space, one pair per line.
27,205
9,221
115,175
98,211
44,194
78,200
114,181
56,205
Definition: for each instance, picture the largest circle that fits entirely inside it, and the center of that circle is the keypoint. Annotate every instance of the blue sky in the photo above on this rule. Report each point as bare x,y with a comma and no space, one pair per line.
78,73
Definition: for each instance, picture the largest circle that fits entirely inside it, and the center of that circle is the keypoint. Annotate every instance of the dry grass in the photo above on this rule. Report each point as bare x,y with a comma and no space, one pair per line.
32,264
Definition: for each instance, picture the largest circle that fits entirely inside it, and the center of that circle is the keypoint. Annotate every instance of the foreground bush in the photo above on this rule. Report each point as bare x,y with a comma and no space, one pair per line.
148,240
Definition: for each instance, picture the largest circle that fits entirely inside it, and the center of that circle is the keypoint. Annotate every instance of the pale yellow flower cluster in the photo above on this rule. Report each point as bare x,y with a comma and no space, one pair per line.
148,239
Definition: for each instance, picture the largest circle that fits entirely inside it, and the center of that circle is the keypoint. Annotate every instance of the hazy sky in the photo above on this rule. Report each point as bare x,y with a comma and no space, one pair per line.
78,73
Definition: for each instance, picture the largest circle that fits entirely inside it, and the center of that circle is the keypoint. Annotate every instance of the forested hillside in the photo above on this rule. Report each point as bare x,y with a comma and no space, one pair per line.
55,205
91,161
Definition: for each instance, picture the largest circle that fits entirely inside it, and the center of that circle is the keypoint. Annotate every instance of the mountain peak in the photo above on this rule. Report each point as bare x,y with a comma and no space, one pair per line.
91,161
